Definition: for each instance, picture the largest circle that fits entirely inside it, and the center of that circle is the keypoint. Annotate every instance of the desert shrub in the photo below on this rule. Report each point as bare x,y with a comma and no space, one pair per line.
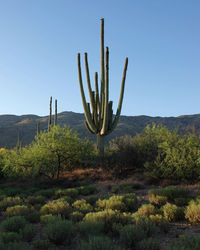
182,201
60,231
41,244
49,218
145,223
7,237
172,212
59,206
10,191
13,224
130,235
126,187
160,222
76,216
17,245
192,211
88,228
130,201
108,217
158,200
21,210
33,216
91,199
172,192
71,192
186,242
35,199
87,190
82,206
28,232
9,202
48,193
147,210
98,242
149,244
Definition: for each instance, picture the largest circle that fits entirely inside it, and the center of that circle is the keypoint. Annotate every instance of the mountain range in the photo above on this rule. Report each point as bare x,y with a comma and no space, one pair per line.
13,127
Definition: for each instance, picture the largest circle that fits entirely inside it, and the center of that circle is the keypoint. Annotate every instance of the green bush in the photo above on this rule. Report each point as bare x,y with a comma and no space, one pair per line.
91,199
13,224
98,242
9,202
126,187
160,222
33,216
35,199
49,218
145,224
21,210
71,192
192,211
7,237
172,212
60,231
88,228
147,210
82,206
186,242
130,235
59,206
48,193
149,244
17,245
41,244
87,190
28,232
158,200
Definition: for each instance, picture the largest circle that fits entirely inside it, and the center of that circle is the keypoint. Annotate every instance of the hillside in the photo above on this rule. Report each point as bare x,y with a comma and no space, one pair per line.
11,126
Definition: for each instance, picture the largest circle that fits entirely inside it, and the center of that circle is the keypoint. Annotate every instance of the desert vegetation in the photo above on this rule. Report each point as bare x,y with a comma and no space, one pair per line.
41,208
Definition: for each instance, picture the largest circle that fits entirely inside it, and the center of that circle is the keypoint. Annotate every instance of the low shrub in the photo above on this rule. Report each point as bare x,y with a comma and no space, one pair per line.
88,228
172,213
60,231
35,199
9,202
16,210
28,232
145,223
71,192
13,224
91,199
87,190
82,206
130,235
160,222
147,210
7,237
76,216
58,206
98,242
49,218
186,242
126,187
41,244
33,216
48,193
149,244
17,245
192,211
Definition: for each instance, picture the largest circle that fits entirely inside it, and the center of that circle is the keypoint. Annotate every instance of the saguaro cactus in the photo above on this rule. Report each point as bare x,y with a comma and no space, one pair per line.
55,116
99,113
50,115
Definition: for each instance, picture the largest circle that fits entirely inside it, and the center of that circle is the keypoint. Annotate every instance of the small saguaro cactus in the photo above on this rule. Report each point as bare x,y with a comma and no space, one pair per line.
99,112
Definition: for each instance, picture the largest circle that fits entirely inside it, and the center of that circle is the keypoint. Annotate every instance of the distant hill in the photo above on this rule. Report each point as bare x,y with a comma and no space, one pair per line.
11,126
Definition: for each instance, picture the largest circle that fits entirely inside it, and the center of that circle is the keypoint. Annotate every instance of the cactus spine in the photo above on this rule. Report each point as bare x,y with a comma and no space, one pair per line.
99,112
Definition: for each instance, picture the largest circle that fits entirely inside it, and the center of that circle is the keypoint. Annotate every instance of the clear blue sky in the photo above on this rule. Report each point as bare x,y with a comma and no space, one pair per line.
40,39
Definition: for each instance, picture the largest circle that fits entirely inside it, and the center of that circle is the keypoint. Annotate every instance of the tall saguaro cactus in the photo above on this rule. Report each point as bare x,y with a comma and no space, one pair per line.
99,112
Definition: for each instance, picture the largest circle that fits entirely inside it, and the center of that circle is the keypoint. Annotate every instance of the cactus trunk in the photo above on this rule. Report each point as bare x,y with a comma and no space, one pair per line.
99,112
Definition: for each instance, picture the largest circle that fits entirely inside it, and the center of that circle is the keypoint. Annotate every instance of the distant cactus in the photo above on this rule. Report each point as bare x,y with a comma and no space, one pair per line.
38,127
99,113
50,114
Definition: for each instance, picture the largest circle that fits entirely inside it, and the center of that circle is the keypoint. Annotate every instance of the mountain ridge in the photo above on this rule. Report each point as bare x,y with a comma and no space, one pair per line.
12,126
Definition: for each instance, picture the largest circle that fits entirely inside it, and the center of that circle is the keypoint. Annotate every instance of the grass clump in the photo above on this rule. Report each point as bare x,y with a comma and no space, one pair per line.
147,210
13,224
60,231
82,206
145,223
71,192
58,206
21,210
9,202
160,222
49,218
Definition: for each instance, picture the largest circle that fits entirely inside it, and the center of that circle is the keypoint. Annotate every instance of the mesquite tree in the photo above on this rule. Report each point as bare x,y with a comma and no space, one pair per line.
99,112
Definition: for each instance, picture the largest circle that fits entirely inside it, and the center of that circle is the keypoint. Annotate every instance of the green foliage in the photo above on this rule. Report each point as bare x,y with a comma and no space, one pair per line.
87,190
98,243
60,231
13,224
130,235
192,211
7,237
35,199
149,244
160,222
49,155
76,216
145,223
147,210
187,242
9,202
41,244
22,210
56,207
172,212
71,192
88,228
82,206
28,232
49,218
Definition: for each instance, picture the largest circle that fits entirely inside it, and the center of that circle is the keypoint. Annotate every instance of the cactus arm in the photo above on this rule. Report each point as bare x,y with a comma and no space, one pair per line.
85,107
87,126
89,84
114,124
102,71
105,117
110,115
97,92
